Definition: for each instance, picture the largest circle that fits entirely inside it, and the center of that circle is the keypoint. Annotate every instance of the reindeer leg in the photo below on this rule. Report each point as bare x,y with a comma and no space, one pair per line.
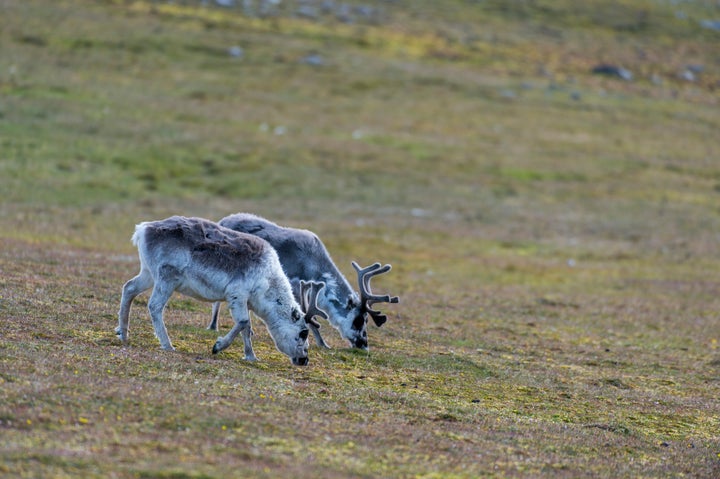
318,338
215,312
142,282
158,299
247,340
241,316
165,285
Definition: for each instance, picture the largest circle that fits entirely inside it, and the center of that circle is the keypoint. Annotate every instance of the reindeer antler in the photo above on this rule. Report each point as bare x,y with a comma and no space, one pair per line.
366,295
308,301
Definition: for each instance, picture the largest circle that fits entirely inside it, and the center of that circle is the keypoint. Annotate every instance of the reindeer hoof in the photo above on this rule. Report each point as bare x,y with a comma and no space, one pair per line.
121,336
216,349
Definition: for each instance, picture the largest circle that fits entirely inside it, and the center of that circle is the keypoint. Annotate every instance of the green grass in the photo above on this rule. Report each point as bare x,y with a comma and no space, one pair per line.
553,236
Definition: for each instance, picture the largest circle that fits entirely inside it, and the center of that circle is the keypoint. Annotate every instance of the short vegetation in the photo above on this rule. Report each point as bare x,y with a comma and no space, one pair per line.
554,235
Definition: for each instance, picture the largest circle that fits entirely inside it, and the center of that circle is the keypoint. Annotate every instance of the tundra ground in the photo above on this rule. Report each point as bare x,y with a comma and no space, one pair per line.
554,237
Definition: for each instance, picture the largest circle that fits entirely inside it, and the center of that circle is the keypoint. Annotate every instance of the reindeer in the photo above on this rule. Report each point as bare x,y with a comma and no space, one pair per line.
204,260
304,257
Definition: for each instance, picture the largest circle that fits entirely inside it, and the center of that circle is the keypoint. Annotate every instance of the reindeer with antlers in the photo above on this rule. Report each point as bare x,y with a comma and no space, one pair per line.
304,258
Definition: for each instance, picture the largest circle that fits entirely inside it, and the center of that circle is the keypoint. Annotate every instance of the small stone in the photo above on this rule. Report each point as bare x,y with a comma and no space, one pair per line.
365,11
508,93
612,70
344,13
710,24
687,75
314,59
236,52
307,11
327,6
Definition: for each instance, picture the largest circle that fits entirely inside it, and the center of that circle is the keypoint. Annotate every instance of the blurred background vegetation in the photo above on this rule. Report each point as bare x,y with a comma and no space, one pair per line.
543,175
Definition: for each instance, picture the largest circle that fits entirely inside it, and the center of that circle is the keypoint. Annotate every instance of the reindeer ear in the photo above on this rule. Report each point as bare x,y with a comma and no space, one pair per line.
304,334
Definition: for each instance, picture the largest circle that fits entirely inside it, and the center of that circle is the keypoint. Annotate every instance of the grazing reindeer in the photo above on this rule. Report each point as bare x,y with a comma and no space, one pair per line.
201,259
304,257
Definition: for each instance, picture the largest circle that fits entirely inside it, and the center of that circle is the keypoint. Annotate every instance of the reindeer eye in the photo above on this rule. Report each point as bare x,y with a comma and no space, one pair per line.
359,322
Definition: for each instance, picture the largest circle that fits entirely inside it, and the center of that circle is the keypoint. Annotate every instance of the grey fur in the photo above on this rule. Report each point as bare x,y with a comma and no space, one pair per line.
304,257
202,259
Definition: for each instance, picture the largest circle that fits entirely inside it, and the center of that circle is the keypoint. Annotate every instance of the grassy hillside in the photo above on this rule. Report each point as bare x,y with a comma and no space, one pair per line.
553,235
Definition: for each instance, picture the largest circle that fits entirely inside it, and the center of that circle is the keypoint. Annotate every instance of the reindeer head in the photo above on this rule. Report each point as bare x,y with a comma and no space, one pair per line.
292,338
368,299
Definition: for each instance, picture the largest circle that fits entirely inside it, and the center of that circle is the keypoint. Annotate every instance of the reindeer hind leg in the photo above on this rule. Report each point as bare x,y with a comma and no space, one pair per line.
140,283
164,288
213,326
